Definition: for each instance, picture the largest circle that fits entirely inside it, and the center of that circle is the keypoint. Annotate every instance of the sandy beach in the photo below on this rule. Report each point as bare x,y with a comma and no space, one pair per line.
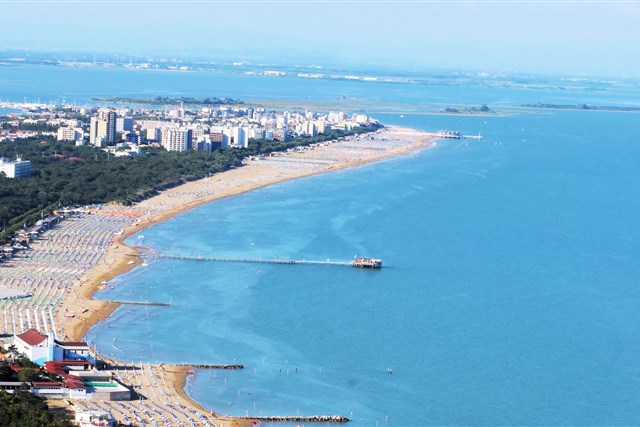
65,268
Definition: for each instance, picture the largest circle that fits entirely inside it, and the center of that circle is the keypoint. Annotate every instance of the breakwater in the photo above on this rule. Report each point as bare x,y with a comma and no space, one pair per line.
299,418
150,303
209,366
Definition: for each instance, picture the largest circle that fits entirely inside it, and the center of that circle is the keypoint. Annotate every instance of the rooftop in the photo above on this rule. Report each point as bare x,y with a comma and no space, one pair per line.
32,337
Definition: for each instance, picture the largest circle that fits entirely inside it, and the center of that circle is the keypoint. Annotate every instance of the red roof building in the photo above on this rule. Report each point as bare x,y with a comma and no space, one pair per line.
32,337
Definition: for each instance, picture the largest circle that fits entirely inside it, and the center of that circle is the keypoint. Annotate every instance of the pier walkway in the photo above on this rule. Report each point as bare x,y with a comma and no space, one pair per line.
249,260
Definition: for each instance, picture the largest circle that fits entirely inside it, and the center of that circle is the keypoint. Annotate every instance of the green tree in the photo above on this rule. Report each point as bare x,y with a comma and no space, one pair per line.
23,409
27,375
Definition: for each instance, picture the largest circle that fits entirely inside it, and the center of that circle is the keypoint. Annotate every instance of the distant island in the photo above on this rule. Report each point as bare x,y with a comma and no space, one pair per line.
581,107
469,110
163,100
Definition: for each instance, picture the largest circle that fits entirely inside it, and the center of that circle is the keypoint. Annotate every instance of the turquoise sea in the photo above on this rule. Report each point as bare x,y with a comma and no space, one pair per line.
509,293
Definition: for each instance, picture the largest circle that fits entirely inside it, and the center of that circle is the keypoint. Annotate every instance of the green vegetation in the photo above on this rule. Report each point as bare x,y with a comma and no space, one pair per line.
64,174
23,409
37,127
164,100
469,110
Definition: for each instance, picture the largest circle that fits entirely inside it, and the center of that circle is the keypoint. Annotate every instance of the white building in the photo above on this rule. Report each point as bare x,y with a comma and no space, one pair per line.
310,129
70,134
37,347
18,169
42,348
176,139
95,418
360,118
227,138
240,137
336,116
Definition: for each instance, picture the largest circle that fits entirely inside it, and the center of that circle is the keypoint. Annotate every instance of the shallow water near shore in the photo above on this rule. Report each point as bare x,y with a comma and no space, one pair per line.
508,294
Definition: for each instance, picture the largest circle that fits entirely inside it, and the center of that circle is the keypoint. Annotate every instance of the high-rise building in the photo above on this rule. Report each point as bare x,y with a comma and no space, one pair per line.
176,139
154,134
240,137
111,127
102,129
216,140
124,124
97,132
310,129
227,138
320,126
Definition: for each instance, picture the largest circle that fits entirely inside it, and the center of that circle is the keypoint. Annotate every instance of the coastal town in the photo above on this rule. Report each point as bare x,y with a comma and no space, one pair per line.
200,127
51,269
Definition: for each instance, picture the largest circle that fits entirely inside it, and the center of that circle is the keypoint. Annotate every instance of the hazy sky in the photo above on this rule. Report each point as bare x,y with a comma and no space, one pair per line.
559,37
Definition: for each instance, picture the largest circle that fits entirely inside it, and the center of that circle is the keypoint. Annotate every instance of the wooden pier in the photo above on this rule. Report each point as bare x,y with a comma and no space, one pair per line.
260,260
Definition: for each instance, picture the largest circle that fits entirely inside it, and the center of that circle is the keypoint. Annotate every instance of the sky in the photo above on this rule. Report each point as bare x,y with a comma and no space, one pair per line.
590,38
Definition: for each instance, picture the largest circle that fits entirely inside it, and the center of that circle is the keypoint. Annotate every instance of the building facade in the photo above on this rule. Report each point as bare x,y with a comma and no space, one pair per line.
15,169
176,139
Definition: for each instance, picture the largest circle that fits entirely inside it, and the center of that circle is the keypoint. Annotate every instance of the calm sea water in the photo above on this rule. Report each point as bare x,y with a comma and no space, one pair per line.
509,294
78,85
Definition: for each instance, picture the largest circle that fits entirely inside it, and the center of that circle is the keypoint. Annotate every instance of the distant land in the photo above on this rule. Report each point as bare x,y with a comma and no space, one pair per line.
468,110
163,100
581,107
314,69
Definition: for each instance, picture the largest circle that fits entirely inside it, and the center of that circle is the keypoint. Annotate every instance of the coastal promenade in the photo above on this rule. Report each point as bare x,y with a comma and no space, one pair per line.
67,264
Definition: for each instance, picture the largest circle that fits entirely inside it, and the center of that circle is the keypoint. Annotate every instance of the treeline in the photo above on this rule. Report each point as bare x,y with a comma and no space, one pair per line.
37,127
23,409
63,174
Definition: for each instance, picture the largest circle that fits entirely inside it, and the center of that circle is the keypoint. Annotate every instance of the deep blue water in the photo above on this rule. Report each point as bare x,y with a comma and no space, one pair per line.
509,294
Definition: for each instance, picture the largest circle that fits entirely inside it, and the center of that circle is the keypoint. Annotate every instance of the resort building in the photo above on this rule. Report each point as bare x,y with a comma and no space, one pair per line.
34,345
15,169
42,348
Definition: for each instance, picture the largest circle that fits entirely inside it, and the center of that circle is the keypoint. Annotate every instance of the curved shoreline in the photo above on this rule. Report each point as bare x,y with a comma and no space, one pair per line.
401,141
